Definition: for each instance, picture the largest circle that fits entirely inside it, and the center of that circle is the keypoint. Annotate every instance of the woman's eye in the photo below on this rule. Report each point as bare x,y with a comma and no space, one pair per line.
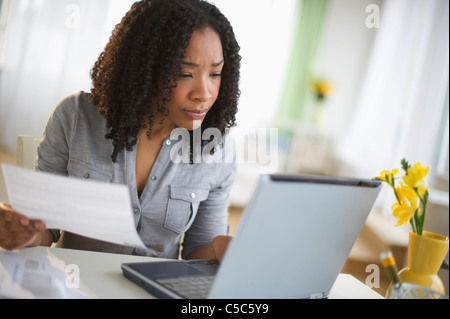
185,75
217,75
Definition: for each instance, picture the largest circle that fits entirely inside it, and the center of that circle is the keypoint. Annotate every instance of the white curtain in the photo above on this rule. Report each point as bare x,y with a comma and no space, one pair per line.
402,101
49,48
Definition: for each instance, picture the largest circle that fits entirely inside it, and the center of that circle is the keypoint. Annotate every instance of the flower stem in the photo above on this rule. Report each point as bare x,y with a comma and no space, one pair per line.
424,208
420,220
413,225
417,221
395,190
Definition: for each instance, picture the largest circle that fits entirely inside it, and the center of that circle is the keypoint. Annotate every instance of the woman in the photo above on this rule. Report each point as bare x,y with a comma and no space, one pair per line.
169,64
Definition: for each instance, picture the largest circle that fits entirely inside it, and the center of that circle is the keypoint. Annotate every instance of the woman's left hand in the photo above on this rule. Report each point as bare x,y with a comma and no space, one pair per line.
214,250
220,245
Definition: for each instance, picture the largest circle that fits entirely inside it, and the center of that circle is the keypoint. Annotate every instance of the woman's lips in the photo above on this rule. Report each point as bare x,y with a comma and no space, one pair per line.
196,114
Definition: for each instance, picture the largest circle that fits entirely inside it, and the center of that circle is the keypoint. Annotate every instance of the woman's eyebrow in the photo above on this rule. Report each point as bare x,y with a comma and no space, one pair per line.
218,63
196,65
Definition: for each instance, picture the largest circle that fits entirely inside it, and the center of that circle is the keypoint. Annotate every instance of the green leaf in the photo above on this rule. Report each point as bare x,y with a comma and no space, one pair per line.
405,165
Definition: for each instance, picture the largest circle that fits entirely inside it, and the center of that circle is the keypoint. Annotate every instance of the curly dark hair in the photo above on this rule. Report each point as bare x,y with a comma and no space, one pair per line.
141,64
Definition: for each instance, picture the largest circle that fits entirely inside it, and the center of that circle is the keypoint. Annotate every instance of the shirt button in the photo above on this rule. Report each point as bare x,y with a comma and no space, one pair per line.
136,211
193,195
87,175
153,178
168,142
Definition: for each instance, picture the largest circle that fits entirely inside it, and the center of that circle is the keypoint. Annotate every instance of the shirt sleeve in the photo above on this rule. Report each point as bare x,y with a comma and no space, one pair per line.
212,214
53,148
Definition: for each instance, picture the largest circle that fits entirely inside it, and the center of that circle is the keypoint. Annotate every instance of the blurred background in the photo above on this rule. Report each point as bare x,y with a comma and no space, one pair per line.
353,86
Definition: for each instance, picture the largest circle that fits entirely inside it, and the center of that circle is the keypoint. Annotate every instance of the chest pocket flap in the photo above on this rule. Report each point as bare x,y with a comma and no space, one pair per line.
183,206
77,168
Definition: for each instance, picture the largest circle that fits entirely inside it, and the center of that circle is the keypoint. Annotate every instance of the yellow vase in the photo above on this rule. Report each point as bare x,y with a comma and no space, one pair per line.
425,256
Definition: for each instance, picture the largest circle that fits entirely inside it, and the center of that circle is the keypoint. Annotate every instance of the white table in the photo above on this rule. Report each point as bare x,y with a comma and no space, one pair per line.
101,275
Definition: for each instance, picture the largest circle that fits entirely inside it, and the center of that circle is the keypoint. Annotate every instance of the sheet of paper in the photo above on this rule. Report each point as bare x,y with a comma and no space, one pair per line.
37,276
88,208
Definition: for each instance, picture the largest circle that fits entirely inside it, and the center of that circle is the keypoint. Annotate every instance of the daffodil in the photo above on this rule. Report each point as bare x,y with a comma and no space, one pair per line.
410,193
321,89
415,177
388,176
407,206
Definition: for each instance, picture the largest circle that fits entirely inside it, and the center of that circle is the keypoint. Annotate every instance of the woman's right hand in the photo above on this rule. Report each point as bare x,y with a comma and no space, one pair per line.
16,230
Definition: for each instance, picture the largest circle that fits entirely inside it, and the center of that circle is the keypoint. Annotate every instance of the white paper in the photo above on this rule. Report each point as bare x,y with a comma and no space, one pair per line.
36,276
88,208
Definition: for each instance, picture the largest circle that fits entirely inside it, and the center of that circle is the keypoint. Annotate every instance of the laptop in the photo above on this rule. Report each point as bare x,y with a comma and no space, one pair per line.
292,242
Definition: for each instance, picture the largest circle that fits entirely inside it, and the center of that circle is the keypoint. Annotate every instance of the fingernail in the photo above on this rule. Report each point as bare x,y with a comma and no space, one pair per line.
38,225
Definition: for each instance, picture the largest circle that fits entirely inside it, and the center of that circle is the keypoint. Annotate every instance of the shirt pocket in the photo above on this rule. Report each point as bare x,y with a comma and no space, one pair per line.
183,206
77,168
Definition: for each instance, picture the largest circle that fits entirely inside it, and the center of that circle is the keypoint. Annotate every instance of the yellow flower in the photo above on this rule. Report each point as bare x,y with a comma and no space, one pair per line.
409,204
415,177
321,89
388,176
410,193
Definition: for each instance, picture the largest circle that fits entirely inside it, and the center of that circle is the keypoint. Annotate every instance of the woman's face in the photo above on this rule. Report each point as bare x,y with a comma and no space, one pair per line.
199,84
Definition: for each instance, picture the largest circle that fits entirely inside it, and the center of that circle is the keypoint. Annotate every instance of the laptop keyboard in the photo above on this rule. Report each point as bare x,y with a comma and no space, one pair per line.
193,287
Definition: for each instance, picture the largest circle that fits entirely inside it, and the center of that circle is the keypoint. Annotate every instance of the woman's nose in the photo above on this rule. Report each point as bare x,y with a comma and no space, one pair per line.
201,90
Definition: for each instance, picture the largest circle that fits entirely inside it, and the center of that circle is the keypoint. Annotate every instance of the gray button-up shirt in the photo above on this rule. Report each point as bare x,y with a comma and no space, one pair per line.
179,198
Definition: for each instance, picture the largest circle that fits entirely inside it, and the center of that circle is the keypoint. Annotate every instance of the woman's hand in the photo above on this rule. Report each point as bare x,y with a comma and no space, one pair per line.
17,231
220,245
214,250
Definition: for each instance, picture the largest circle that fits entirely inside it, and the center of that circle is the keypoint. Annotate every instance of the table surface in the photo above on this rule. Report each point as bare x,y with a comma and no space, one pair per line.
101,275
